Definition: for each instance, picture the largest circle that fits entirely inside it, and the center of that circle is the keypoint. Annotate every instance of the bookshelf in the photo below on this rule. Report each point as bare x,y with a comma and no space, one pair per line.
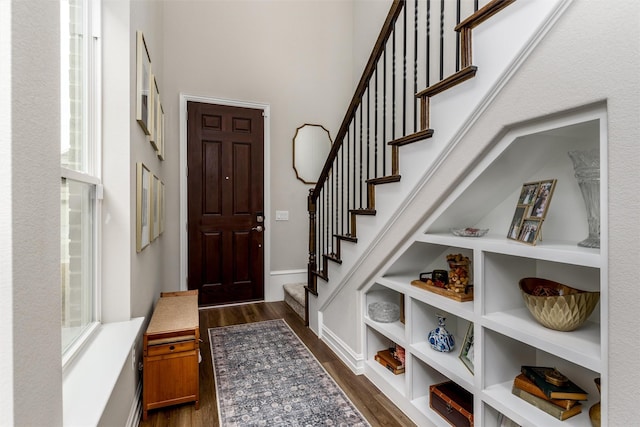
506,335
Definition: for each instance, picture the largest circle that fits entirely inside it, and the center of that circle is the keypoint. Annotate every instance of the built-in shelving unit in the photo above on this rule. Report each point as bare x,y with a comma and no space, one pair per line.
506,336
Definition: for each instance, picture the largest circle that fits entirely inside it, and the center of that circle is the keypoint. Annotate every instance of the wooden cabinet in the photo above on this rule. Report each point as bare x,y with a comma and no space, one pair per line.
171,352
505,335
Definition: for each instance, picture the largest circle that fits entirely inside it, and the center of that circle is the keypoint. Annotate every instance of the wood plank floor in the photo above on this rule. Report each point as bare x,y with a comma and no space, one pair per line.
378,410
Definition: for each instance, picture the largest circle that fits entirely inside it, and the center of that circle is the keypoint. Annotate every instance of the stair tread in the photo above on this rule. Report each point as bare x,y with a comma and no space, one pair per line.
347,237
362,211
333,257
453,80
384,179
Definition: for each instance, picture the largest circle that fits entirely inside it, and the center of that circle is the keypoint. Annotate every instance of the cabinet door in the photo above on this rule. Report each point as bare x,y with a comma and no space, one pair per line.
170,379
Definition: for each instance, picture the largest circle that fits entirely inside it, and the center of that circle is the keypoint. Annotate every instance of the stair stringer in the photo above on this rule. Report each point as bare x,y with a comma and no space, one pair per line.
453,112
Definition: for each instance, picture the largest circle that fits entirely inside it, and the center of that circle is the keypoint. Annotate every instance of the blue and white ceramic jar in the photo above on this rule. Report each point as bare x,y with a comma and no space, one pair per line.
440,339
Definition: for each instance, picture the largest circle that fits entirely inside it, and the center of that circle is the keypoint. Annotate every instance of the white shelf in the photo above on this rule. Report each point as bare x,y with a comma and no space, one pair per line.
507,335
386,376
447,363
581,346
500,397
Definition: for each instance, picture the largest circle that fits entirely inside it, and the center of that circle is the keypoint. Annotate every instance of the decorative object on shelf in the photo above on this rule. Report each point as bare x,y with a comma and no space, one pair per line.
440,339
540,376
531,210
522,382
384,311
467,350
452,402
586,165
456,296
546,406
437,278
460,276
469,232
557,306
594,411
387,359
398,352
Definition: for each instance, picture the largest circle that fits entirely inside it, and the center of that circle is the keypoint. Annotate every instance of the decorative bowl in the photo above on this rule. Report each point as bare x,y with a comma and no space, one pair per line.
384,312
469,232
557,306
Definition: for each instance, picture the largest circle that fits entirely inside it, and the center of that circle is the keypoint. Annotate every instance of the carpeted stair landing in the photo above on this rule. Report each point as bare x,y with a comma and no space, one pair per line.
294,297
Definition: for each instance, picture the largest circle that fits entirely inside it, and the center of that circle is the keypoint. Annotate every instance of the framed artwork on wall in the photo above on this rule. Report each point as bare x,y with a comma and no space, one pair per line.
153,119
160,127
143,206
155,207
144,106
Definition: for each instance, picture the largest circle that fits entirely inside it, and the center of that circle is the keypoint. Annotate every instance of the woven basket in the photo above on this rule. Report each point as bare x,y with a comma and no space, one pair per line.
557,306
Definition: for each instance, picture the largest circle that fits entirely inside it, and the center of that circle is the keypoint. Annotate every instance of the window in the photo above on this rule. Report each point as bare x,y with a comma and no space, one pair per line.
80,188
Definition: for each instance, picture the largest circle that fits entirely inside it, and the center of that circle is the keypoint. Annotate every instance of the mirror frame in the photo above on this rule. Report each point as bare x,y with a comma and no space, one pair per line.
299,174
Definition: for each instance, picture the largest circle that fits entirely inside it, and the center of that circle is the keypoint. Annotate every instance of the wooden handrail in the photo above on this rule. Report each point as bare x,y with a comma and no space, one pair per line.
369,69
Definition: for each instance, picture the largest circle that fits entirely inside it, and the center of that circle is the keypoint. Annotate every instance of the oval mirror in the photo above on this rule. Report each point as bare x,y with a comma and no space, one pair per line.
311,146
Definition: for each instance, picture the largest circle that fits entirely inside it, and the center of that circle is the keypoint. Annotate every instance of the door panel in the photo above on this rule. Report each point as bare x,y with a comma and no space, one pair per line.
225,155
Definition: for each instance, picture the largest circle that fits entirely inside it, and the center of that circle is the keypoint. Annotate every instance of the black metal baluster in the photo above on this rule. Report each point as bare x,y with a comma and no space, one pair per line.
441,39
342,192
475,6
360,139
404,71
415,66
353,206
457,37
384,112
393,87
375,125
368,133
428,43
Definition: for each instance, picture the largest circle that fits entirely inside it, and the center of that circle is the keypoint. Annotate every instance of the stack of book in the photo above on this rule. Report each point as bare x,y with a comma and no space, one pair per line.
549,390
386,358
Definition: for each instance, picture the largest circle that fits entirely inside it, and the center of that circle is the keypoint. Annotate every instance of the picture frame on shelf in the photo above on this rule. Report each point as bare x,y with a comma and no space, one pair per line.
543,198
467,349
143,207
531,210
516,222
530,231
143,84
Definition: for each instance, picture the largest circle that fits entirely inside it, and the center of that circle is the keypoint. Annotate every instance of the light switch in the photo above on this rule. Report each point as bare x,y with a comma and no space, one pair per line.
282,215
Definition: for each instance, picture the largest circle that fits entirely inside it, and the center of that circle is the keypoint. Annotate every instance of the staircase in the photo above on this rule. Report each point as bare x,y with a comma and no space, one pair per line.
420,43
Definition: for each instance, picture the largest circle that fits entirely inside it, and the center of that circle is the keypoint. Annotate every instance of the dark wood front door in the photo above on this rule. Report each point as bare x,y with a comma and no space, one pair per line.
225,152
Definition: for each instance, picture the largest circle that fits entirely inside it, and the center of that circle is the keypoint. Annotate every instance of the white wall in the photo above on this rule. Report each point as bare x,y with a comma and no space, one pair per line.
590,56
294,56
30,341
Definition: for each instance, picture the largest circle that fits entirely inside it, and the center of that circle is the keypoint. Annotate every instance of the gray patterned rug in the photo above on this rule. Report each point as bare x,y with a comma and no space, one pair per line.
266,376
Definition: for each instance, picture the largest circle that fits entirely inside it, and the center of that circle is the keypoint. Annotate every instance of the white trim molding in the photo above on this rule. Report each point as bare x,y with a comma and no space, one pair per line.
266,109
279,278
355,361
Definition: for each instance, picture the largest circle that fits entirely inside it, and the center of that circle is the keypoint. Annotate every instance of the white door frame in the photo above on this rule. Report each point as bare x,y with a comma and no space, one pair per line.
184,244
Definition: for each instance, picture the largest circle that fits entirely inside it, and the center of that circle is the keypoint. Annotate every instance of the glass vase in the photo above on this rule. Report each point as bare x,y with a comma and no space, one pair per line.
439,338
586,165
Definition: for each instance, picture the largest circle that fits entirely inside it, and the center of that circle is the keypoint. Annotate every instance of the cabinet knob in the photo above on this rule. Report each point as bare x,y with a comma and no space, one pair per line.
173,347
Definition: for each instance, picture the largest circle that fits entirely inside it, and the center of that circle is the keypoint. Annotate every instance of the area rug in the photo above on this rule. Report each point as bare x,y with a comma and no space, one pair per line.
266,376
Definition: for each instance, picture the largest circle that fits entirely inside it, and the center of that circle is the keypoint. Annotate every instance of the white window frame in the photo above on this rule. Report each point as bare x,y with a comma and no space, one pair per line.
93,153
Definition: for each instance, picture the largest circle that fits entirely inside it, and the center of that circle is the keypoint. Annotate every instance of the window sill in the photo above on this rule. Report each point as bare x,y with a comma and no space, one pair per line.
89,381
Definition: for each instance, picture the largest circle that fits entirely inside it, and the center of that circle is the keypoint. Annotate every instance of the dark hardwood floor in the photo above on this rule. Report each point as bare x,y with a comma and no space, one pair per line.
378,410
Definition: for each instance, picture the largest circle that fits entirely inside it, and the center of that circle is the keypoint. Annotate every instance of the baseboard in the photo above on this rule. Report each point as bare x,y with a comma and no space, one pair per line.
355,361
274,291
135,414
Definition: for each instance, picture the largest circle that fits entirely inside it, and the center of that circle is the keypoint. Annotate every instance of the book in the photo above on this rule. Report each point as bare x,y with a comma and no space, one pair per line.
523,383
389,366
388,356
546,406
538,374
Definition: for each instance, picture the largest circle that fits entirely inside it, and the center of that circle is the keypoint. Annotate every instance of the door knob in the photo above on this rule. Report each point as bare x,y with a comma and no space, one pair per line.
259,229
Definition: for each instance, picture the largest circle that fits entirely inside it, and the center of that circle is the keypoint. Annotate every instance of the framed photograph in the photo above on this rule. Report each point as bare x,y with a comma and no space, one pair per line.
543,198
531,210
143,84
530,231
153,120
157,212
516,222
528,193
161,209
143,206
466,351
160,130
